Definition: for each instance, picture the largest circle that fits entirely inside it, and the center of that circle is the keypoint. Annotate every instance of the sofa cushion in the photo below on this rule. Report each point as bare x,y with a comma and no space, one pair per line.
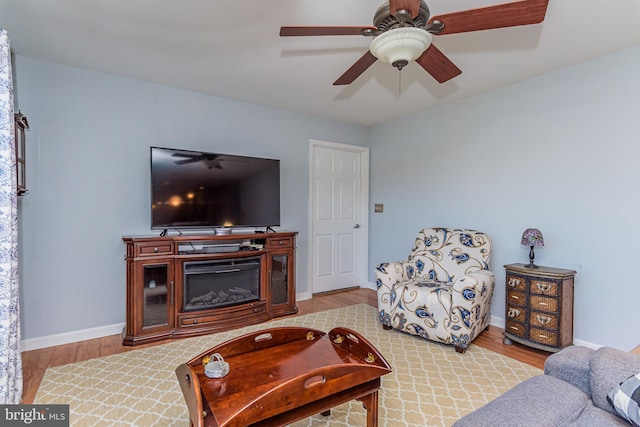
532,402
609,367
626,399
592,416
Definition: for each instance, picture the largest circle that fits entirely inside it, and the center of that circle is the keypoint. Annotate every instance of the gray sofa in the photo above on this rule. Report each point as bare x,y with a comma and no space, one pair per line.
572,392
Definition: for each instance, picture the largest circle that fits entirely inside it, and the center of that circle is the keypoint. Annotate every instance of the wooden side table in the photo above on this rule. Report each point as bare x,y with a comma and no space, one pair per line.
539,307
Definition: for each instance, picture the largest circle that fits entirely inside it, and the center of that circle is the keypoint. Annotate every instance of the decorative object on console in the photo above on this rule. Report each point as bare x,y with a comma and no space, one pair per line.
215,366
532,237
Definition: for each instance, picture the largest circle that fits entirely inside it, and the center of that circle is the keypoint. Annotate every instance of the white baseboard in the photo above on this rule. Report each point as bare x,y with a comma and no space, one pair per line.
303,296
69,337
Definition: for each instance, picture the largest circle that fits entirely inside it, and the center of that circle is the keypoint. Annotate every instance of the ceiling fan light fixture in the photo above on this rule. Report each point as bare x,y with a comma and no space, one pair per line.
399,46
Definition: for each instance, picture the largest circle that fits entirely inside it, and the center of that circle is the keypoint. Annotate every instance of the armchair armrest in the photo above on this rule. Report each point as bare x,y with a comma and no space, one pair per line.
474,288
388,275
471,298
391,273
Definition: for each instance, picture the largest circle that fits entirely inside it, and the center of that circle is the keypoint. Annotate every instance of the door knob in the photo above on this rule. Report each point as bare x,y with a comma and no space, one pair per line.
356,226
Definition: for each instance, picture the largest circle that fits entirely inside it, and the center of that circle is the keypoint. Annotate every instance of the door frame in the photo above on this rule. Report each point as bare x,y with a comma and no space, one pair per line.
363,236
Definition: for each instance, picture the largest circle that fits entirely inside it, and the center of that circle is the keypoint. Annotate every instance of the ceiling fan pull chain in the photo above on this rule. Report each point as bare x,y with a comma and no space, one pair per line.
400,81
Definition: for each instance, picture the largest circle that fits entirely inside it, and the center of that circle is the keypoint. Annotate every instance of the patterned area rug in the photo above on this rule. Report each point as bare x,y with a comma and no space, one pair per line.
431,384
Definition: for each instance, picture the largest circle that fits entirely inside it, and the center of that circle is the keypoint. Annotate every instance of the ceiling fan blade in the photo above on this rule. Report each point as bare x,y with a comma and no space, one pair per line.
438,65
523,12
413,6
359,67
324,31
186,161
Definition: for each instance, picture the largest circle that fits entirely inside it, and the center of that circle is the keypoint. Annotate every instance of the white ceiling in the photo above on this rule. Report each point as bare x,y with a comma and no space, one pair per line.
232,49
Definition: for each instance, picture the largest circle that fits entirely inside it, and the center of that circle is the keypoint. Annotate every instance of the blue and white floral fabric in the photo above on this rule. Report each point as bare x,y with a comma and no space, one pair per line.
442,291
10,359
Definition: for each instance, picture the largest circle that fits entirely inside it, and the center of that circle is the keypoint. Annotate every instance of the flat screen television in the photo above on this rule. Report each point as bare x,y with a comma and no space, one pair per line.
195,189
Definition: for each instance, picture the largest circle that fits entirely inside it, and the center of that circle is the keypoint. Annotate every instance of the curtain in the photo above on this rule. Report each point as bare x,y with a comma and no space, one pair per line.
10,358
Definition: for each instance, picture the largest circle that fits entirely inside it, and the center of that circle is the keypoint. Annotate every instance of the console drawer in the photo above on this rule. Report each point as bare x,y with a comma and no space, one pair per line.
153,249
198,320
280,242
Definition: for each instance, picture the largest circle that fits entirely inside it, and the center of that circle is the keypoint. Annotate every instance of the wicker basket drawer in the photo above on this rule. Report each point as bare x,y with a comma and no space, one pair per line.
544,336
543,320
516,282
515,328
544,287
516,313
516,297
541,303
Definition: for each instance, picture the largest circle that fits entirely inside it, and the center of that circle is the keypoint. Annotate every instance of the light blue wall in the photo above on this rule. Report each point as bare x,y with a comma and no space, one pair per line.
559,153
88,179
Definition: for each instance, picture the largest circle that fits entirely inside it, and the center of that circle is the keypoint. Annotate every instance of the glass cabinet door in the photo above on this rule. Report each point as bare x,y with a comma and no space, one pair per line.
279,279
155,295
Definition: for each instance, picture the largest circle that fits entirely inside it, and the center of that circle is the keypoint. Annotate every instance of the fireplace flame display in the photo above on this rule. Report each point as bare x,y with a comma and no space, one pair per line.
213,284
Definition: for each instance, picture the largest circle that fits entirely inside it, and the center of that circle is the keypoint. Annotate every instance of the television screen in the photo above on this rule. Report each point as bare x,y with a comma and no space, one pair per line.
193,189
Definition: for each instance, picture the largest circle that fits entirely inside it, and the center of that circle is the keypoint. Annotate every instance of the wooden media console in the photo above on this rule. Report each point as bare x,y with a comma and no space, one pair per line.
197,284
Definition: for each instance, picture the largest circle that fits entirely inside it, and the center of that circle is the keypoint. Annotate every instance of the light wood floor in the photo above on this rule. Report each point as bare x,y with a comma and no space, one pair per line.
35,362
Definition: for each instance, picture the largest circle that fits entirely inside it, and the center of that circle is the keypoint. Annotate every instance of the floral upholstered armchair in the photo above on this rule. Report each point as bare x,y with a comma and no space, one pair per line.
443,291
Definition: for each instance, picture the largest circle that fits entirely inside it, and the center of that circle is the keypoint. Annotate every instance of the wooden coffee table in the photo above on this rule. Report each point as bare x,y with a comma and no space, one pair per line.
282,375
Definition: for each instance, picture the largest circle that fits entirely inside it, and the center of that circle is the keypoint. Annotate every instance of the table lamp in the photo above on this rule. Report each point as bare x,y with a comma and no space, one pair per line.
532,237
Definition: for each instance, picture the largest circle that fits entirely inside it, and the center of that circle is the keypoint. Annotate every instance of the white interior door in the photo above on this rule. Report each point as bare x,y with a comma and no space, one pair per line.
339,198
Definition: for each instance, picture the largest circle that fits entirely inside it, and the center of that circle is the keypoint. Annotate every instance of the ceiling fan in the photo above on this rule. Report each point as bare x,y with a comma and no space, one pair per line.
402,31
211,161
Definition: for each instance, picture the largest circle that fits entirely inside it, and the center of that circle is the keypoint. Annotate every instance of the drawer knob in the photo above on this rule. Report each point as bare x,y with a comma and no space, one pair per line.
543,320
513,282
515,328
156,250
514,312
543,287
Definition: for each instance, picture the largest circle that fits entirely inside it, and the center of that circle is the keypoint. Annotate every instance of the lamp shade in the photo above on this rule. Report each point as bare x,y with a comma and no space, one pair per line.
400,45
532,237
